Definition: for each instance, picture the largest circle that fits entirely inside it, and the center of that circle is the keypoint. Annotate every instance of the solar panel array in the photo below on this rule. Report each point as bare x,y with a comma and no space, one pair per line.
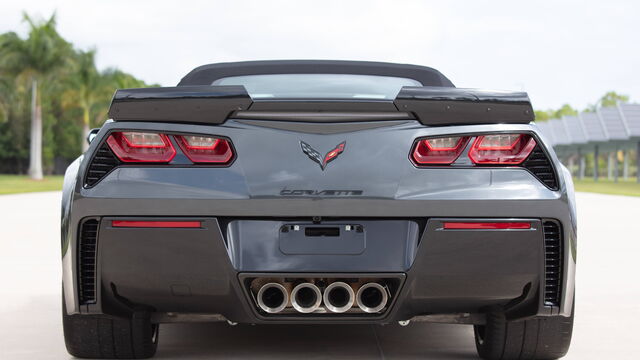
615,125
632,116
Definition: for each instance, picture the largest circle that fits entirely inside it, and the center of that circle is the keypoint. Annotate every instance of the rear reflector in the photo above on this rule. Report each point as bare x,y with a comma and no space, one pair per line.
487,225
156,224
206,149
143,147
501,149
438,151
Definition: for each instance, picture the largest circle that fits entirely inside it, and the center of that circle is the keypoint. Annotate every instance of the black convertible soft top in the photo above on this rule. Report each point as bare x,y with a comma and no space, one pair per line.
207,74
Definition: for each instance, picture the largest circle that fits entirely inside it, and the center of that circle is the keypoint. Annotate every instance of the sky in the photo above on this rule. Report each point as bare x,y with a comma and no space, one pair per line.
561,51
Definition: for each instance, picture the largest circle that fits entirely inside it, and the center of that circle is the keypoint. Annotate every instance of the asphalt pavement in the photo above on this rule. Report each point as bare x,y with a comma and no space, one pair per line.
608,294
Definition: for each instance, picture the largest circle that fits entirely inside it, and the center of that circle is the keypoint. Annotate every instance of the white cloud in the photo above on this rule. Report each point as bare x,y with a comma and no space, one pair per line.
569,51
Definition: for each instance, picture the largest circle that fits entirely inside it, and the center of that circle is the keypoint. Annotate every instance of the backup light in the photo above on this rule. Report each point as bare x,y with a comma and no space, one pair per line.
206,149
133,146
439,151
501,149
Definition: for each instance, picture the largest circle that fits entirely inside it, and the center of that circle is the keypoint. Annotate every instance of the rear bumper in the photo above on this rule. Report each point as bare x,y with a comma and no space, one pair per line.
199,271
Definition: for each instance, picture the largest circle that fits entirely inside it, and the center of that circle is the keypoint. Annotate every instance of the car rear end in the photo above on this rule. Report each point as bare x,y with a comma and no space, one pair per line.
323,211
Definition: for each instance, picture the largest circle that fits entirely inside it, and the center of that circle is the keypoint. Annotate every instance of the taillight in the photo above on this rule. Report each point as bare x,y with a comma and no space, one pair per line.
134,146
206,149
439,150
476,225
502,149
156,224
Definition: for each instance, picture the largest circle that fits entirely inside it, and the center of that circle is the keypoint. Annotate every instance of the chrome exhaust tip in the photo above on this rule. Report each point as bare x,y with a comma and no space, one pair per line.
338,297
272,298
372,297
306,298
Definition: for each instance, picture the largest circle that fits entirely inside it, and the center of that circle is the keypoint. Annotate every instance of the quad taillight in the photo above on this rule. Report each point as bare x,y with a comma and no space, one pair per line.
439,150
141,147
490,149
151,147
205,149
501,149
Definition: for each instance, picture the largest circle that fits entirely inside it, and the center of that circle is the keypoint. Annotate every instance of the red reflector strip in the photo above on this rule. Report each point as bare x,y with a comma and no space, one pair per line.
156,224
487,225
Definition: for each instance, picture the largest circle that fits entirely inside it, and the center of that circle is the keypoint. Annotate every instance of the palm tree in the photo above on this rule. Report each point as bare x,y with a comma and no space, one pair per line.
88,91
34,59
121,80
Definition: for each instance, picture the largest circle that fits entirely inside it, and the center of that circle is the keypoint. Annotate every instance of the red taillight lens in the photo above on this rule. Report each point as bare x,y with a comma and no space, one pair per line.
136,146
439,151
502,149
487,225
156,224
206,149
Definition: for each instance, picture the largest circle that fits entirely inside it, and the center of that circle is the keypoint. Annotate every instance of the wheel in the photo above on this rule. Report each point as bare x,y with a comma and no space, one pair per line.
98,336
535,339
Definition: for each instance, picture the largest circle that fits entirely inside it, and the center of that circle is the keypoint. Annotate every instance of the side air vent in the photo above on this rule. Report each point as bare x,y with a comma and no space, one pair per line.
540,166
552,263
102,163
87,246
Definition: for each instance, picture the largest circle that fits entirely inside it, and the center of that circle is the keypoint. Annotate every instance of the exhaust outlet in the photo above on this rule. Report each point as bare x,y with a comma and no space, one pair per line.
372,297
338,297
273,297
306,297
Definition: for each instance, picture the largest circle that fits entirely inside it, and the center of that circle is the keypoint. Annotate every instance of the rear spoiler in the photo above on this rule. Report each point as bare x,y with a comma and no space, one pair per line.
434,106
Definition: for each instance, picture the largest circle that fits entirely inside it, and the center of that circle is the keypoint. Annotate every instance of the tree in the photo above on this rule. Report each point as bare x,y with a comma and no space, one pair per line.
14,138
34,59
564,110
612,98
88,90
121,80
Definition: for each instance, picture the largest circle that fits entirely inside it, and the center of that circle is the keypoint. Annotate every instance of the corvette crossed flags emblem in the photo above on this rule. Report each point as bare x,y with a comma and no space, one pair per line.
314,155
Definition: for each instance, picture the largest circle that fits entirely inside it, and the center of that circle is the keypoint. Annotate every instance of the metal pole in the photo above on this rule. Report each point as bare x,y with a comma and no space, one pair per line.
595,162
615,165
610,165
638,163
581,164
625,165
571,165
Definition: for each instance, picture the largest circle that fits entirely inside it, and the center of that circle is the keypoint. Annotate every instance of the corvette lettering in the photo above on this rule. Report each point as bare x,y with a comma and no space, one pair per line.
287,192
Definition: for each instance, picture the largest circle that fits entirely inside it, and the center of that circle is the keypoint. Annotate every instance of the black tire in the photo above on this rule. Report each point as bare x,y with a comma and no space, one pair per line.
535,339
96,336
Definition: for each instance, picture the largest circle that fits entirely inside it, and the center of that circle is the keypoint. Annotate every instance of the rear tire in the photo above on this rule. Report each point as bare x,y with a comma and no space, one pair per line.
99,336
536,339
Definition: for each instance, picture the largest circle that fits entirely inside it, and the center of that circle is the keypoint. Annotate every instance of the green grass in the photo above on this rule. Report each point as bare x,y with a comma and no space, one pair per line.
604,186
14,184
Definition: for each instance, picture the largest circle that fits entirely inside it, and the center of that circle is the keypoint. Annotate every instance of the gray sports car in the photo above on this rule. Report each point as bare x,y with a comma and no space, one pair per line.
317,192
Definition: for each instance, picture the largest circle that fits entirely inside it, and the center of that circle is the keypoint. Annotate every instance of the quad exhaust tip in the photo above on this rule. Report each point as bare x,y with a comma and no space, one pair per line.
272,298
306,298
338,297
372,297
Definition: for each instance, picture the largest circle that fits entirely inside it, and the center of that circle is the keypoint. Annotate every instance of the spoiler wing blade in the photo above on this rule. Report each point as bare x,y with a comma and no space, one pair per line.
192,104
432,106
453,106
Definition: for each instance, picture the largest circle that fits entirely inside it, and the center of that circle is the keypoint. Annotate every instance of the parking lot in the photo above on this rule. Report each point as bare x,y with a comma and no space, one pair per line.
608,293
